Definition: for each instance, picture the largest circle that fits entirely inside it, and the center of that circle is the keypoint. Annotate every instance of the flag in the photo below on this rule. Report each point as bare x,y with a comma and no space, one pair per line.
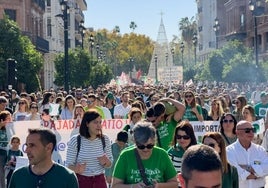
138,74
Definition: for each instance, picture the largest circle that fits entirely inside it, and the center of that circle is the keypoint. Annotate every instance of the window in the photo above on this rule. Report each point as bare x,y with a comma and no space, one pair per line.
49,28
11,14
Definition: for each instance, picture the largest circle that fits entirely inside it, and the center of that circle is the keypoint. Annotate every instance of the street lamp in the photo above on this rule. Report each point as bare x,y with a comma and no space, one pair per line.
216,28
97,49
182,50
91,42
257,9
82,31
194,39
166,59
64,9
155,64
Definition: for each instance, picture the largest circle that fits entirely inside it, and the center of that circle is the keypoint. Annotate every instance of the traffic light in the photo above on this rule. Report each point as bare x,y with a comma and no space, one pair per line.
11,72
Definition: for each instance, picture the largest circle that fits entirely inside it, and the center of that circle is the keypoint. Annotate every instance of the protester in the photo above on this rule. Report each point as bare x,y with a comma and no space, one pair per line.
201,167
34,114
216,141
193,111
216,111
250,159
165,120
12,153
240,102
67,111
48,98
135,115
183,138
121,110
89,152
117,147
42,171
22,110
261,107
109,102
228,128
144,164
5,118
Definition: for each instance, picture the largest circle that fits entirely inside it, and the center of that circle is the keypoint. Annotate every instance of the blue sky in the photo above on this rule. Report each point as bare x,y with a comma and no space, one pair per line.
145,13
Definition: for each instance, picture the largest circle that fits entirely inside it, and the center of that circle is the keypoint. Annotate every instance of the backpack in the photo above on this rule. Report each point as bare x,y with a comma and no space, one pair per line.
78,138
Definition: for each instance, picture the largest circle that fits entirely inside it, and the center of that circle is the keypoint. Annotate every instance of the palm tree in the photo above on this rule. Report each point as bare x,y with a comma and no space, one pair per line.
116,29
133,26
188,29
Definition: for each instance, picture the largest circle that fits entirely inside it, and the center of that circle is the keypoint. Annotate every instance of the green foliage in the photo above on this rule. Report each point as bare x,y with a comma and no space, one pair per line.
16,46
84,69
232,63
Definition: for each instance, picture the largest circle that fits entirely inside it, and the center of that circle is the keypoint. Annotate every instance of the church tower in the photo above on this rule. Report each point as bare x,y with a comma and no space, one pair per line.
161,58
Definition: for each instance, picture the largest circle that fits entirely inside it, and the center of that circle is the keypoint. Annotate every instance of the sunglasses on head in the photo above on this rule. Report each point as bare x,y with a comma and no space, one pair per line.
248,130
149,146
185,137
228,121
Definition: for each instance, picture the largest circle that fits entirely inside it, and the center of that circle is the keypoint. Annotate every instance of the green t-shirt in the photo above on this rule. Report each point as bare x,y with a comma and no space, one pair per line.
175,153
166,132
260,110
188,114
157,168
57,176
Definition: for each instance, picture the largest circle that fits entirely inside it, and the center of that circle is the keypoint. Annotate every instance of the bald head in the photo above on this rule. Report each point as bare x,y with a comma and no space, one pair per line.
243,124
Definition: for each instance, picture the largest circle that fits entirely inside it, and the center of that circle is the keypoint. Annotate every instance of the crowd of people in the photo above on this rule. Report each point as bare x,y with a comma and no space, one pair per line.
154,149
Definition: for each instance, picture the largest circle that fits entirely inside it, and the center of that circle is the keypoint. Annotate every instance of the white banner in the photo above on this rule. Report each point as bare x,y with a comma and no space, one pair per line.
64,129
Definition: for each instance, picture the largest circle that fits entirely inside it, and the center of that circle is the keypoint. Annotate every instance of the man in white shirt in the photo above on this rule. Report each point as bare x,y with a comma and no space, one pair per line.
121,110
251,160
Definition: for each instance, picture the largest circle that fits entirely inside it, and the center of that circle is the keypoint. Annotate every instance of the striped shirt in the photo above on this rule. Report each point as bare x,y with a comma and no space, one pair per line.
175,155
89,152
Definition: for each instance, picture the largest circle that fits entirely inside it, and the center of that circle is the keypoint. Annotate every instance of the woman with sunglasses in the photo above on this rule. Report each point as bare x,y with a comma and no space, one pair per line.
230,175
22,110
193,111
227,128
34,114
183,138
240,102
132,162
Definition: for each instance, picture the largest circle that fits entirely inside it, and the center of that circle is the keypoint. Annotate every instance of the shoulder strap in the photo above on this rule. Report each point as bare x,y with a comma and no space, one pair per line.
78,139
141,168
103,142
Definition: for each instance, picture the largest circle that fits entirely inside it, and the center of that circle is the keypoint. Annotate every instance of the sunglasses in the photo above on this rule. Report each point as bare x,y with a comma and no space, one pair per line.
211,145
248,130
34,107
228,121
21,103
185,137
149,146
188,96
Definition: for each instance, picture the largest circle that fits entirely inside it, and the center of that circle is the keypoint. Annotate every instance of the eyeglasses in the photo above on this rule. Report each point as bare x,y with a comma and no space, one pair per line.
185,137
248,130
188,96
236,102
228,121
149,146
21,103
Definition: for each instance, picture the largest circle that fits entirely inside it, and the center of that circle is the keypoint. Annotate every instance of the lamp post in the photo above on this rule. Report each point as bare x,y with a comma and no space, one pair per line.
182,50
166,59
257,9
155,64
91,42
64,9
97,49
172,52
82,30
216,28
195,44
